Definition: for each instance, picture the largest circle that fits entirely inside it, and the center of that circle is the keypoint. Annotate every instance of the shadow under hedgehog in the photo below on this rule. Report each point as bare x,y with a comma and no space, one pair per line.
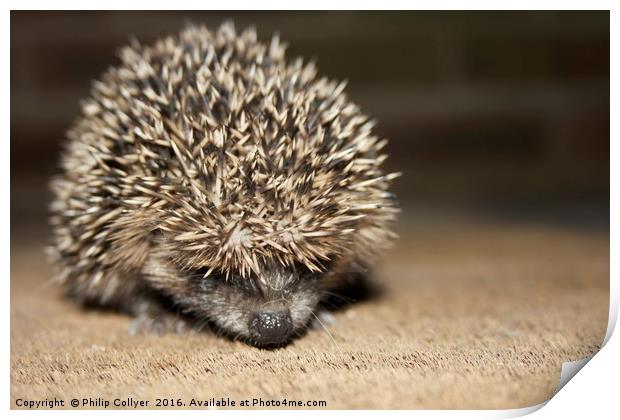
208,176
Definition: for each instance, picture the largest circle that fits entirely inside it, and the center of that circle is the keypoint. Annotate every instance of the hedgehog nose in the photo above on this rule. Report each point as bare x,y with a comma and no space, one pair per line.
271,328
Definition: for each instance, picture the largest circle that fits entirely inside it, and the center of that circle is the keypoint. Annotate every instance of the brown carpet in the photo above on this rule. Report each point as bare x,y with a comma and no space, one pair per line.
473,316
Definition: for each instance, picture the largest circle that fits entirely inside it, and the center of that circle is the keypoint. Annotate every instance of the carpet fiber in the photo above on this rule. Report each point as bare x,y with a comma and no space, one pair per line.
473,315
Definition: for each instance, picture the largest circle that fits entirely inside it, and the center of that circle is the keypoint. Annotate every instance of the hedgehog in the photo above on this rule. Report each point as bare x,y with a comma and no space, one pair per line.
209,177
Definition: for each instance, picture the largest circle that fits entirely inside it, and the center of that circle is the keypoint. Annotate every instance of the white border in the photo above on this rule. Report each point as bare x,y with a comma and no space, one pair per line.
594,392
316,5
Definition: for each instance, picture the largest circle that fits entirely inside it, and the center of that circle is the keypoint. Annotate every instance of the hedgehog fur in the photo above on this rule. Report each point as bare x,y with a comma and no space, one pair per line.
208,156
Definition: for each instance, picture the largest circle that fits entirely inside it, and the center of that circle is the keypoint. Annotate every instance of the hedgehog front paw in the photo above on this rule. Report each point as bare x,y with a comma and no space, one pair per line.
158,325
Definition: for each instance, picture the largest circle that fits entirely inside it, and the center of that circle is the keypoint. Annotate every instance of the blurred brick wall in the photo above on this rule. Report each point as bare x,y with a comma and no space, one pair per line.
477,105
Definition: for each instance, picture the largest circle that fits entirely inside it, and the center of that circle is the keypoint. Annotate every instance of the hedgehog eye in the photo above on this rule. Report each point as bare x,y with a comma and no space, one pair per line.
196,275
200,272
302,270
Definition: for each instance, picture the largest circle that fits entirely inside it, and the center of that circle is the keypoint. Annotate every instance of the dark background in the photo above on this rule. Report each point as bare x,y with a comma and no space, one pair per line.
491,114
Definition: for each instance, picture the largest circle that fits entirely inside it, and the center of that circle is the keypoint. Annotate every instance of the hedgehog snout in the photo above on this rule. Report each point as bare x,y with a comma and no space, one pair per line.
271,328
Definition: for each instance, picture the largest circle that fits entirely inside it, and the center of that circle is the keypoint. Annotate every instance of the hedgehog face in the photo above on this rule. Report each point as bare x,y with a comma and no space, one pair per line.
265,311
